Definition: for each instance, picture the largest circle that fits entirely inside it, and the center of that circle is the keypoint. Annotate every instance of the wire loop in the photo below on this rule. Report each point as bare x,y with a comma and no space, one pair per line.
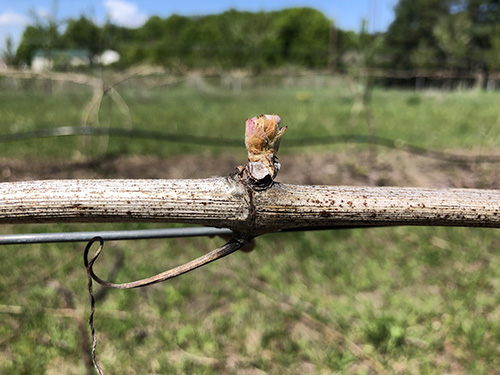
230,247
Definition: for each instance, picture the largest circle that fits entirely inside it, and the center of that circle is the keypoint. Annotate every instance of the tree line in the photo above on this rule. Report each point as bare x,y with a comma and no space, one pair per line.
295,36
462,35
459,35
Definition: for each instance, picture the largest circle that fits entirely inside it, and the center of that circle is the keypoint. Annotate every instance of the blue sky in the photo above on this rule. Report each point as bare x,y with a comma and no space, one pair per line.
347,14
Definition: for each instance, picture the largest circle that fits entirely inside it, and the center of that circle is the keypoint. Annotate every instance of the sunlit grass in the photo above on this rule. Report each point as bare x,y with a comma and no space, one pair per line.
439,120
329,301
411,300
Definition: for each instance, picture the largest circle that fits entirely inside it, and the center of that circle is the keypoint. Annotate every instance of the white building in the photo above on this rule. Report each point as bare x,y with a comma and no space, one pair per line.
46,59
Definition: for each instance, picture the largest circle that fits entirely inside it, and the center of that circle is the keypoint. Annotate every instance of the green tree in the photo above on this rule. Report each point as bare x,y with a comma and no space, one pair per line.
245,38
492,56
147,40
162,41
82,33
9,55
412,28
302,36
153,29
424,56
239,39
38,37
453,35
233,39
485,18
120,39
43,34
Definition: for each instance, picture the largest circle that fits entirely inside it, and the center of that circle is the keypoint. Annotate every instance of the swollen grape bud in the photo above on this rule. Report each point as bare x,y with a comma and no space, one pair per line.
262,139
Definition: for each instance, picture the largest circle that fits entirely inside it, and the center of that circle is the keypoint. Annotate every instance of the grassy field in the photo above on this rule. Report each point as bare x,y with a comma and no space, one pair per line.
440,120
405,300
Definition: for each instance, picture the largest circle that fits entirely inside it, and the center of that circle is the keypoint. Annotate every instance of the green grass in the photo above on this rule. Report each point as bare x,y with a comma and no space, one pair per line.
410,300
420,299
439,120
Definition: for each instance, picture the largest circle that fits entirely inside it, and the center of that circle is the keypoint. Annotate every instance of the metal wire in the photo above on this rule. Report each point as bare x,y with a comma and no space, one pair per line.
116,235
65,131
233,142
144,234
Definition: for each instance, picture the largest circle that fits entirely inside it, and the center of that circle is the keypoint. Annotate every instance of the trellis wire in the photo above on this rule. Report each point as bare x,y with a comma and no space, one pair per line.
233,142
115,235
140,234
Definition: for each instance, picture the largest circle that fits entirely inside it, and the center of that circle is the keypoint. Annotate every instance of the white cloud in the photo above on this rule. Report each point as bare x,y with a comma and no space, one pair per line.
13,18
124,13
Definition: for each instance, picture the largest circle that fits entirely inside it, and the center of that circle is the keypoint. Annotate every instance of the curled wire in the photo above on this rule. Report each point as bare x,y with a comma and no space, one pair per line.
230,247
88,268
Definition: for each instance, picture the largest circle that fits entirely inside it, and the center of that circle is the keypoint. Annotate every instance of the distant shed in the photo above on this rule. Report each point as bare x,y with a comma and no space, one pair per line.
48,59
44,60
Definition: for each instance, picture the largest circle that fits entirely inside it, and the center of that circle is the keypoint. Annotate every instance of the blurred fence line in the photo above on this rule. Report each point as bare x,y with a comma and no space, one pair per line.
147,77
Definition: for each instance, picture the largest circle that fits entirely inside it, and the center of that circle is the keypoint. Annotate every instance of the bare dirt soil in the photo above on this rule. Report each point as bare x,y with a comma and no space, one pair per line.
355,167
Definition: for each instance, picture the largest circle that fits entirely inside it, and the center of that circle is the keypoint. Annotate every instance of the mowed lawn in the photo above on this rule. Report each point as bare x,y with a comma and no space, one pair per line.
404,300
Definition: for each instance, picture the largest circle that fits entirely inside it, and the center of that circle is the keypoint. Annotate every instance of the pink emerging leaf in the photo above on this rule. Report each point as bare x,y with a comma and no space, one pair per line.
262,139
263,135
